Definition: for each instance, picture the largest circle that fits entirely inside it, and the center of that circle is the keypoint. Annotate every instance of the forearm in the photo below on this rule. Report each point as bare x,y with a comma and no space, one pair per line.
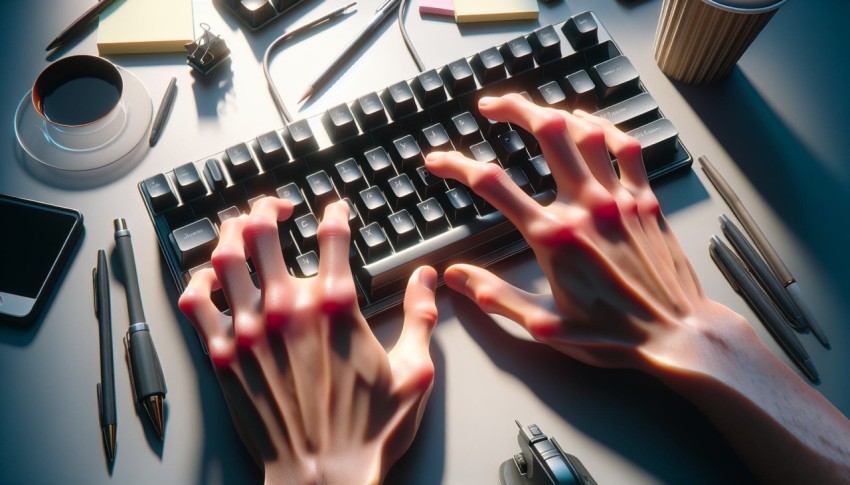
782,428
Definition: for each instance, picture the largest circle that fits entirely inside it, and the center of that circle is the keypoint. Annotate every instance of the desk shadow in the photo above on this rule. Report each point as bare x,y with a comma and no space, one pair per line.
792,179
626,411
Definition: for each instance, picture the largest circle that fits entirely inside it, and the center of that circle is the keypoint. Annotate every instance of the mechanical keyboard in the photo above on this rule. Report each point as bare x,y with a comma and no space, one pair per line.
257,13
371,153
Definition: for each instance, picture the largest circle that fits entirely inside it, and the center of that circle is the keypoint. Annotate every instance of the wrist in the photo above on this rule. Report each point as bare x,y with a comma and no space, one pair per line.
328,470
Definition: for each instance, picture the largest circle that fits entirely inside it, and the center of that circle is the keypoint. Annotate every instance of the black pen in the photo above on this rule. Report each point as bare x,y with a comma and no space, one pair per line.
765,248
381,13
746,286
145,370
80,24
758,268
106,387
162,112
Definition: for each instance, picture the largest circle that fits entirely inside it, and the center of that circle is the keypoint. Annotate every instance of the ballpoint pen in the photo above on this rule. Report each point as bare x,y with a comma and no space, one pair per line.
765,248
162,112
106,387
79,24
145,370
746,286
383,10
769,282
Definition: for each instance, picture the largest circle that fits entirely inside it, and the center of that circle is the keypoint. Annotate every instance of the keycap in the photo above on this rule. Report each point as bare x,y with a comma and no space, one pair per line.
239,162
229,213
269,150
615,77
354,220
489,66
459,207
545,44
428,184
510,148
306,265
407,153
349,178
159,193
631,113
194,243
398,98
401,230
428,87
458,77
372,242
189,182
372,204
581,90
255,12
401,193
319,191
465,130
483,152
236,196
378,165
213,174
299,138
292,193
581,30
657,142
436,138
430,217
305,231
517,55
552,96
518,177
339,122
539,173
369,111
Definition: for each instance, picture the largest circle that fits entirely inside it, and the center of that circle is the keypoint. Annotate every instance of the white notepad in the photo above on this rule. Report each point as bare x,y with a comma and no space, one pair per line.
487,10
142,26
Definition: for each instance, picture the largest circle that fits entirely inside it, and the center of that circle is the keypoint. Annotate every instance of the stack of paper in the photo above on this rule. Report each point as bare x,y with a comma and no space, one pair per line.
140,26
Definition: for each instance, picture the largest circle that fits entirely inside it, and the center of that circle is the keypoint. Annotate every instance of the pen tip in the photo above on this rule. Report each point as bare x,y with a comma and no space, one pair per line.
109,439
307,93
154,406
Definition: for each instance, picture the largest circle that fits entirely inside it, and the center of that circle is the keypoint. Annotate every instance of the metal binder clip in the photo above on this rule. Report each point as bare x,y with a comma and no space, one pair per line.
207,51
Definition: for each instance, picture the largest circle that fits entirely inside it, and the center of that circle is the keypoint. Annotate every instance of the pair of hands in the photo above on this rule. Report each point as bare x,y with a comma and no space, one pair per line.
315,396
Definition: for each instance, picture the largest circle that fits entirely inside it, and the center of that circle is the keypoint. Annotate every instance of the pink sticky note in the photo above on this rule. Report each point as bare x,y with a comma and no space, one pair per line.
437,7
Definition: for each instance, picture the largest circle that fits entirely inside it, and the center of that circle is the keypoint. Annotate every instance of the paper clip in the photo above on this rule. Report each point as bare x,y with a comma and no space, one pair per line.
207,51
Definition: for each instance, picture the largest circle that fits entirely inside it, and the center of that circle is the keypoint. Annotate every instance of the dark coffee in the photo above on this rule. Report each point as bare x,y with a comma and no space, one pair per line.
77,90
80,101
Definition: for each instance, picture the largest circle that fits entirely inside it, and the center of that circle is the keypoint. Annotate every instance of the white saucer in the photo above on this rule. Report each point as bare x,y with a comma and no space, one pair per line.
90,150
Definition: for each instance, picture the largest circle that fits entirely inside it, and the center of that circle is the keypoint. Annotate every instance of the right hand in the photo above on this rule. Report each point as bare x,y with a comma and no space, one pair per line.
623,293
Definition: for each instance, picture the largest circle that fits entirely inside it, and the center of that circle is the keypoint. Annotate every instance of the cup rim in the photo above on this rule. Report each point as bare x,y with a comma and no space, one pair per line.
725,5
116,79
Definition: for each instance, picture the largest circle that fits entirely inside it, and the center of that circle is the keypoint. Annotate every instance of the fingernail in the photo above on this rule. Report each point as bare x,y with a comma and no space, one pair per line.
434,155
579,112
486,100
426,278
456,280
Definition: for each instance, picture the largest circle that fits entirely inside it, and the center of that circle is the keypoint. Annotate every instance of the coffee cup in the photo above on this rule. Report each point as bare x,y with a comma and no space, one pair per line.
80,99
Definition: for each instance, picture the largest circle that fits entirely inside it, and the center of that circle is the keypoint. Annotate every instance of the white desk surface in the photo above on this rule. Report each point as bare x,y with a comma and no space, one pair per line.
776,129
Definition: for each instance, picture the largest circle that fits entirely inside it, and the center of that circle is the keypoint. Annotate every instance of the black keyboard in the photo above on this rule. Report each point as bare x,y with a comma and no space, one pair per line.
371,152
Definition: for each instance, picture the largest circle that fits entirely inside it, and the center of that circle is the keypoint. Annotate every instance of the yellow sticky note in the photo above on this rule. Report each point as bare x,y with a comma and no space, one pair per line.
487,10
141,26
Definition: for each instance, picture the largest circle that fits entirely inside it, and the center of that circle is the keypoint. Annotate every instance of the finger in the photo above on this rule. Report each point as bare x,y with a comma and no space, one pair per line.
591,142
489,181
626,149
262,240
410,359
549,127
213,326
494,295
229,261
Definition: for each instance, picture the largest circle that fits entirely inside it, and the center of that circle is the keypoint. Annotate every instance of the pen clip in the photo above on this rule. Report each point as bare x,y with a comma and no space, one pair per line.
95,292
381,6
100,402
130,365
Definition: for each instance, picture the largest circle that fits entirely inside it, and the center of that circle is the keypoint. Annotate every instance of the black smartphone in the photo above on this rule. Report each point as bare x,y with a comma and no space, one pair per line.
35,243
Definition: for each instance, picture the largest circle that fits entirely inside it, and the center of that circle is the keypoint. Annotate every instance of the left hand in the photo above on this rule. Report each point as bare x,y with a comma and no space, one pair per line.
314,395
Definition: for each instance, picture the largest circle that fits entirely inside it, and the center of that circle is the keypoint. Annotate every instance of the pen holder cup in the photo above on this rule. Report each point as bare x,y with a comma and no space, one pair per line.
80,100
700,41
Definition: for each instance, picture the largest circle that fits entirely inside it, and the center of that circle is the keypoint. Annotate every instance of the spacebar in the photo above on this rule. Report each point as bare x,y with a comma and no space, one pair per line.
484,235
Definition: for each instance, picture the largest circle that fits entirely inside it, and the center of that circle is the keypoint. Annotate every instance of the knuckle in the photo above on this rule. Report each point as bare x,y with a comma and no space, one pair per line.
225,254
337,298
553,231
334,227
258,225
541,325
487,297
248,330
222,351
590,134
426,311
550,123
489,175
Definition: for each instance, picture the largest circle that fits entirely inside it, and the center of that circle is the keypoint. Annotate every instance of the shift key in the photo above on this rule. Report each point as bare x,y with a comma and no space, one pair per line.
193,243
657,142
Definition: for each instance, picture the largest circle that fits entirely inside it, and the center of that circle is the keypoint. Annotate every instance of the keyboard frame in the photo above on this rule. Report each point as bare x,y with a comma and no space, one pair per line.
509,241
